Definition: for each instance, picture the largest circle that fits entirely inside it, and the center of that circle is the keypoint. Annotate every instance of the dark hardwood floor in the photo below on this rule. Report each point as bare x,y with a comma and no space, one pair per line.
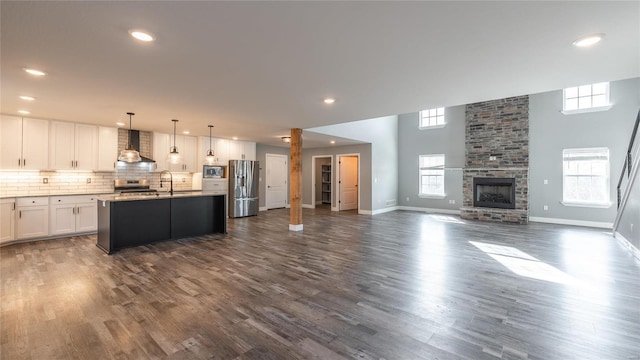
400,285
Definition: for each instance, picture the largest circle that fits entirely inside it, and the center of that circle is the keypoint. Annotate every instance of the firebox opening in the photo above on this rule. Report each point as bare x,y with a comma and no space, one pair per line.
494,193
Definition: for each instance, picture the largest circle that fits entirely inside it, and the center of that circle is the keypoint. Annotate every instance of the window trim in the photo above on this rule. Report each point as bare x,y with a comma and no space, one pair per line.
431,195
607,177
436,126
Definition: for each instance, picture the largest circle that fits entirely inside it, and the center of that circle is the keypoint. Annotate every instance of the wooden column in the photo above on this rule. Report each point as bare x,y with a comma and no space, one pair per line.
295,185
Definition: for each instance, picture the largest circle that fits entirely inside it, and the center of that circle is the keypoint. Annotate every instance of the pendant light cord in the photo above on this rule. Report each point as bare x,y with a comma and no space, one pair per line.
174,132
210,126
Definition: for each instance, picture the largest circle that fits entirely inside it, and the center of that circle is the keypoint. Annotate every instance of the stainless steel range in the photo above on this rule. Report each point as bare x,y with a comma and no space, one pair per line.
133,188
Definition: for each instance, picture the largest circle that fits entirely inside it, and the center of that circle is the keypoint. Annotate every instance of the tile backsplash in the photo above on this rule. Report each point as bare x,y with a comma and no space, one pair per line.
31,183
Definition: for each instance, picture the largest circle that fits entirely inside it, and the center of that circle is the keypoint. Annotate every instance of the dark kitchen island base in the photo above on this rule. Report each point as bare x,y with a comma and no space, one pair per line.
126,222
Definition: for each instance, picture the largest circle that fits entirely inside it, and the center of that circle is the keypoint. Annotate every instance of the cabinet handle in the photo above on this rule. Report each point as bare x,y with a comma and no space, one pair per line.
20,214
73,211
14,206
114,164
78,208
71,163
19,162
24,162
76,164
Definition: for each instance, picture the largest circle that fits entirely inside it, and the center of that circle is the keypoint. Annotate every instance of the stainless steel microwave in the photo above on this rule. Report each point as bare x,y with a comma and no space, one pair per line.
214,171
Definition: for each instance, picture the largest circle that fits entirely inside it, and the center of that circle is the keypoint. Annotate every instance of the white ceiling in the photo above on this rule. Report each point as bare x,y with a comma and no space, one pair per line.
257,69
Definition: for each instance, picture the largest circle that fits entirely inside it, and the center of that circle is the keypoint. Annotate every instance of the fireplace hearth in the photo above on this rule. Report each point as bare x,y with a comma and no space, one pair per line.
494,192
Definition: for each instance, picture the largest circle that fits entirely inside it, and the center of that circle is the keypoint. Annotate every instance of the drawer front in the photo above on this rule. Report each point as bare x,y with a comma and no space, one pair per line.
33,201
214,185
71,199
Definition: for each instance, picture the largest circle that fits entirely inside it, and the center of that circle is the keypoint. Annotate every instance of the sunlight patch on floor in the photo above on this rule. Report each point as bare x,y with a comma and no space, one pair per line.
524,264
448,219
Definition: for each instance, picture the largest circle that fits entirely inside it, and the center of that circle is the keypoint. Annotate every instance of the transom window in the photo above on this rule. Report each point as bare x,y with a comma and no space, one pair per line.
431,118
586,176
583,98
431,175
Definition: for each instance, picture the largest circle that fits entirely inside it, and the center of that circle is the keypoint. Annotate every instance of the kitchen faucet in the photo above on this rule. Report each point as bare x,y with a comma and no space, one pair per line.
170,180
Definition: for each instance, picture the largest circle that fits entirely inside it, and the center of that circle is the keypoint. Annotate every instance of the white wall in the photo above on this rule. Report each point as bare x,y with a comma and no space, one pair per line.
550,132
447,140
382,134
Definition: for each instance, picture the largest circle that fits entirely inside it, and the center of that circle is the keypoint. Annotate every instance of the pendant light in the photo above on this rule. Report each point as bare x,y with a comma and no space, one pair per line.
174,157
129,154
210,159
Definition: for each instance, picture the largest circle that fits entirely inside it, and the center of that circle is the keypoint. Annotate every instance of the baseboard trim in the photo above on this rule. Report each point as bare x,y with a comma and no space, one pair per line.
308,206
384,210
319,202
297,227
595,224
429,210
334,208
262,208
365,212
627,244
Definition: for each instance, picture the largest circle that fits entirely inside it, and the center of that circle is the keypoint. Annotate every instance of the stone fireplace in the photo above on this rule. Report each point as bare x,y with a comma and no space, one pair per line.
495,179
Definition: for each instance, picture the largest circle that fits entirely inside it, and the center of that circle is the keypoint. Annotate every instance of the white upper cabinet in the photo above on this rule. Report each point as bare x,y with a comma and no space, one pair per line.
24,143
249,150
73,146
86,147
187,148
61,148
107,148
220,149
161,144
242,150
189,151
11,142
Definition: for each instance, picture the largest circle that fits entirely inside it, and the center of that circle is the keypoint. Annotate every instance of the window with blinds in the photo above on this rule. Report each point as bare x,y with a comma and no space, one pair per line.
586,176
431,175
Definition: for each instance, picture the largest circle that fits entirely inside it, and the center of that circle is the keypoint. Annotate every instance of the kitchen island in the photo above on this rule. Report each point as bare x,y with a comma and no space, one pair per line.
125,221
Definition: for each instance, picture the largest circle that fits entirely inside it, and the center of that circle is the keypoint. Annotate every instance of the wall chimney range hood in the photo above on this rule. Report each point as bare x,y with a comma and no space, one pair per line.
134,141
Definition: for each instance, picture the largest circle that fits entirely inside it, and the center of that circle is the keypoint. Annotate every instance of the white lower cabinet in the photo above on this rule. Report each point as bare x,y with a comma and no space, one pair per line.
7,220
32,218
73,214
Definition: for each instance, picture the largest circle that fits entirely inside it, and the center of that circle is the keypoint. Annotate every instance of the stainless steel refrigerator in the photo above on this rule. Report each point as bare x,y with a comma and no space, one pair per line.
243,188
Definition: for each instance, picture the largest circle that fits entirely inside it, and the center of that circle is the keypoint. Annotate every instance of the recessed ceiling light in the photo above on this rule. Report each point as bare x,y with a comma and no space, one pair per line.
34,72
186,132
235,138
329,101
27,98
588,40
24,112
141,35
120,123
332,142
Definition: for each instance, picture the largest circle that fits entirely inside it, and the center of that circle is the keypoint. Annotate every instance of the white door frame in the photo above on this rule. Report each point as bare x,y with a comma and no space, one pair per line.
338,156
266,179
313,178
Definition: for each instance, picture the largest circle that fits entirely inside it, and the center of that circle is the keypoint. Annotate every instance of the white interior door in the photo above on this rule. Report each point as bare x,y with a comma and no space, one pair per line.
276,181
348,182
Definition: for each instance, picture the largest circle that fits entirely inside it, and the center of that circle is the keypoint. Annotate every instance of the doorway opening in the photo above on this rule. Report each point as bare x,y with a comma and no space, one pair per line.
277,174
348,176
322,193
